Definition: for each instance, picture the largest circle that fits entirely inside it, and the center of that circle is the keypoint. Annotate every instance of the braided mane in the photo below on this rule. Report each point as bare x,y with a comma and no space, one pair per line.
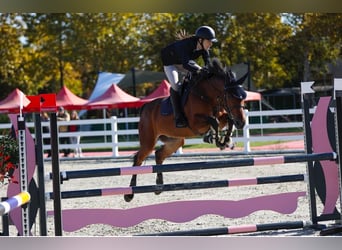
216,68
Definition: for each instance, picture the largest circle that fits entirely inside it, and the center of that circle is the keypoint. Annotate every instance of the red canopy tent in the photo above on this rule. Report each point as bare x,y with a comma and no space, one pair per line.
253,96
163,90
114,97
69,100
11,104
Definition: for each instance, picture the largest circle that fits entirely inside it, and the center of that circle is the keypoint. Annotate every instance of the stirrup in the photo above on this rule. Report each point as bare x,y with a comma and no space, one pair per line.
181,122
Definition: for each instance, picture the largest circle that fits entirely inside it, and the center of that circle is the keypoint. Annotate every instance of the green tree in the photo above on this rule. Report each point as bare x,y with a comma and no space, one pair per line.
41,52
259,40
315,43
12,54
49,52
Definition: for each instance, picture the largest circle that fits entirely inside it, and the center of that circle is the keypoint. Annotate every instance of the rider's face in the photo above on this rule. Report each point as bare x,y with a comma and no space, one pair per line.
207,44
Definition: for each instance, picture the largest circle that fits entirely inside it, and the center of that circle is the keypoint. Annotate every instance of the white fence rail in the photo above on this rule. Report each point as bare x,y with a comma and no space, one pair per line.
115,133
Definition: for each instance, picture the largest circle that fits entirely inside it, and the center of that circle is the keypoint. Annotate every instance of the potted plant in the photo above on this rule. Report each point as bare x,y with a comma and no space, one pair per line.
9,158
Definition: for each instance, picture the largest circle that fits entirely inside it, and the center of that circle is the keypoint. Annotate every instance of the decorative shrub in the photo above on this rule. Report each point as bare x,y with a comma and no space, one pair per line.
9,158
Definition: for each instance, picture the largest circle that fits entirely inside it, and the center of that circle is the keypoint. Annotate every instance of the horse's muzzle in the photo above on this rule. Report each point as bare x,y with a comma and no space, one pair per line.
239,124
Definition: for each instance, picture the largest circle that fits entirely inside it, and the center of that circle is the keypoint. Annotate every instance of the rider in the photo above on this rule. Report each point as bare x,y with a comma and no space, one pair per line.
178,58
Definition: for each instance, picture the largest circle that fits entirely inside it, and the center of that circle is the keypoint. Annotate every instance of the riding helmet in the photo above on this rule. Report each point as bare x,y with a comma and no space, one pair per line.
206,32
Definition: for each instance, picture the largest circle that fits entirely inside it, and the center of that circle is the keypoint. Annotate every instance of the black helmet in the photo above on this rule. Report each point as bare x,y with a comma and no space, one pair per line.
206,32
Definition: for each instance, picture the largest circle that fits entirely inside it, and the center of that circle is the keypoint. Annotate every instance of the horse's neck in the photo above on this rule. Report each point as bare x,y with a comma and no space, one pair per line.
207,89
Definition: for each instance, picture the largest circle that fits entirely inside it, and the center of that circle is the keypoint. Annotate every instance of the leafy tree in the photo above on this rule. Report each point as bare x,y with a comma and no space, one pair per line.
315,43
49,52
11,53
259,40
42,51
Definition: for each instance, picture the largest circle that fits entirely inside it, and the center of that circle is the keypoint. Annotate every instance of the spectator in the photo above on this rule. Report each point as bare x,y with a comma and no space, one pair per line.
63,115
46,130
75,139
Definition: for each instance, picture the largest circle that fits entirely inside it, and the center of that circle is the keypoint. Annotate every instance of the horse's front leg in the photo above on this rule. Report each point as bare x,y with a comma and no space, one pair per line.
225,141
212,135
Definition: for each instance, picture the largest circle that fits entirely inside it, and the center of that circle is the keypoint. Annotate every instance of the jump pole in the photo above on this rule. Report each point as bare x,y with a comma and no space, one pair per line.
236,229
179,186
14,202
10,204
257,161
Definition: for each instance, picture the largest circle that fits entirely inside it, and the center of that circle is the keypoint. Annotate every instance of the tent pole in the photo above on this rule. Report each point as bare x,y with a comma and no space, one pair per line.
133,81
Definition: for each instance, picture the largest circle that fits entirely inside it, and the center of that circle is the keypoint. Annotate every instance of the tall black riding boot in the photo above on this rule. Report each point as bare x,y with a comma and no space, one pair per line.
177,109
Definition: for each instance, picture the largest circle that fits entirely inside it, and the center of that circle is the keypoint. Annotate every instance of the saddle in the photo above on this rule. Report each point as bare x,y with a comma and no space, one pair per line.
166,105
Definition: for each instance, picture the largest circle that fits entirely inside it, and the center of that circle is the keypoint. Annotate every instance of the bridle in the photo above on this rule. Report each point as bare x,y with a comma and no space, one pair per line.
226,95
230,84
222,99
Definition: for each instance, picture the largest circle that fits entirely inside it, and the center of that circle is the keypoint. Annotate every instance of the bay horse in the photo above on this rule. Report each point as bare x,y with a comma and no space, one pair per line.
215,100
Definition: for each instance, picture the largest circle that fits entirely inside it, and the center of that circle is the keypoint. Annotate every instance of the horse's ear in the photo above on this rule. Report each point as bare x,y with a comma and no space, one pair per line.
232,76
242,79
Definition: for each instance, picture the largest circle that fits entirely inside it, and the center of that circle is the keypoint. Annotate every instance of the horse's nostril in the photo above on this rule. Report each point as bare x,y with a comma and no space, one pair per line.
239,124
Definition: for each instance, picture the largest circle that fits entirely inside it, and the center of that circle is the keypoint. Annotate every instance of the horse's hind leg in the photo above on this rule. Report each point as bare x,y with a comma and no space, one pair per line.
170,146
139,157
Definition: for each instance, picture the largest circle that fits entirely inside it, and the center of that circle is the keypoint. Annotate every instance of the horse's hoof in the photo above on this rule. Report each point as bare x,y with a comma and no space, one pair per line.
231,145
128,197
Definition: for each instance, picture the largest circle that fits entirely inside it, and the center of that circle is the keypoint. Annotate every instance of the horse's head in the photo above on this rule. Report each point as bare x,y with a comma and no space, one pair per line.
234,94
235,97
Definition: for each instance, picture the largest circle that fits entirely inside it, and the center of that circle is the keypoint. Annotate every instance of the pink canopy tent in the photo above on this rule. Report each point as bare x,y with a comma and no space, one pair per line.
253,96
114,97
11,104
69,100
163,90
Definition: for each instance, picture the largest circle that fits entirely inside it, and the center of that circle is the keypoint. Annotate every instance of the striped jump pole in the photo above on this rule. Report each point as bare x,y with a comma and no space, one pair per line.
236,229
14,202
179,186
256,161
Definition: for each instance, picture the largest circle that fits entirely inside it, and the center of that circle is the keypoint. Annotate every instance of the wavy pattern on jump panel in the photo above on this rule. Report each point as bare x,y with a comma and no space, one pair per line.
321,143
179,211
